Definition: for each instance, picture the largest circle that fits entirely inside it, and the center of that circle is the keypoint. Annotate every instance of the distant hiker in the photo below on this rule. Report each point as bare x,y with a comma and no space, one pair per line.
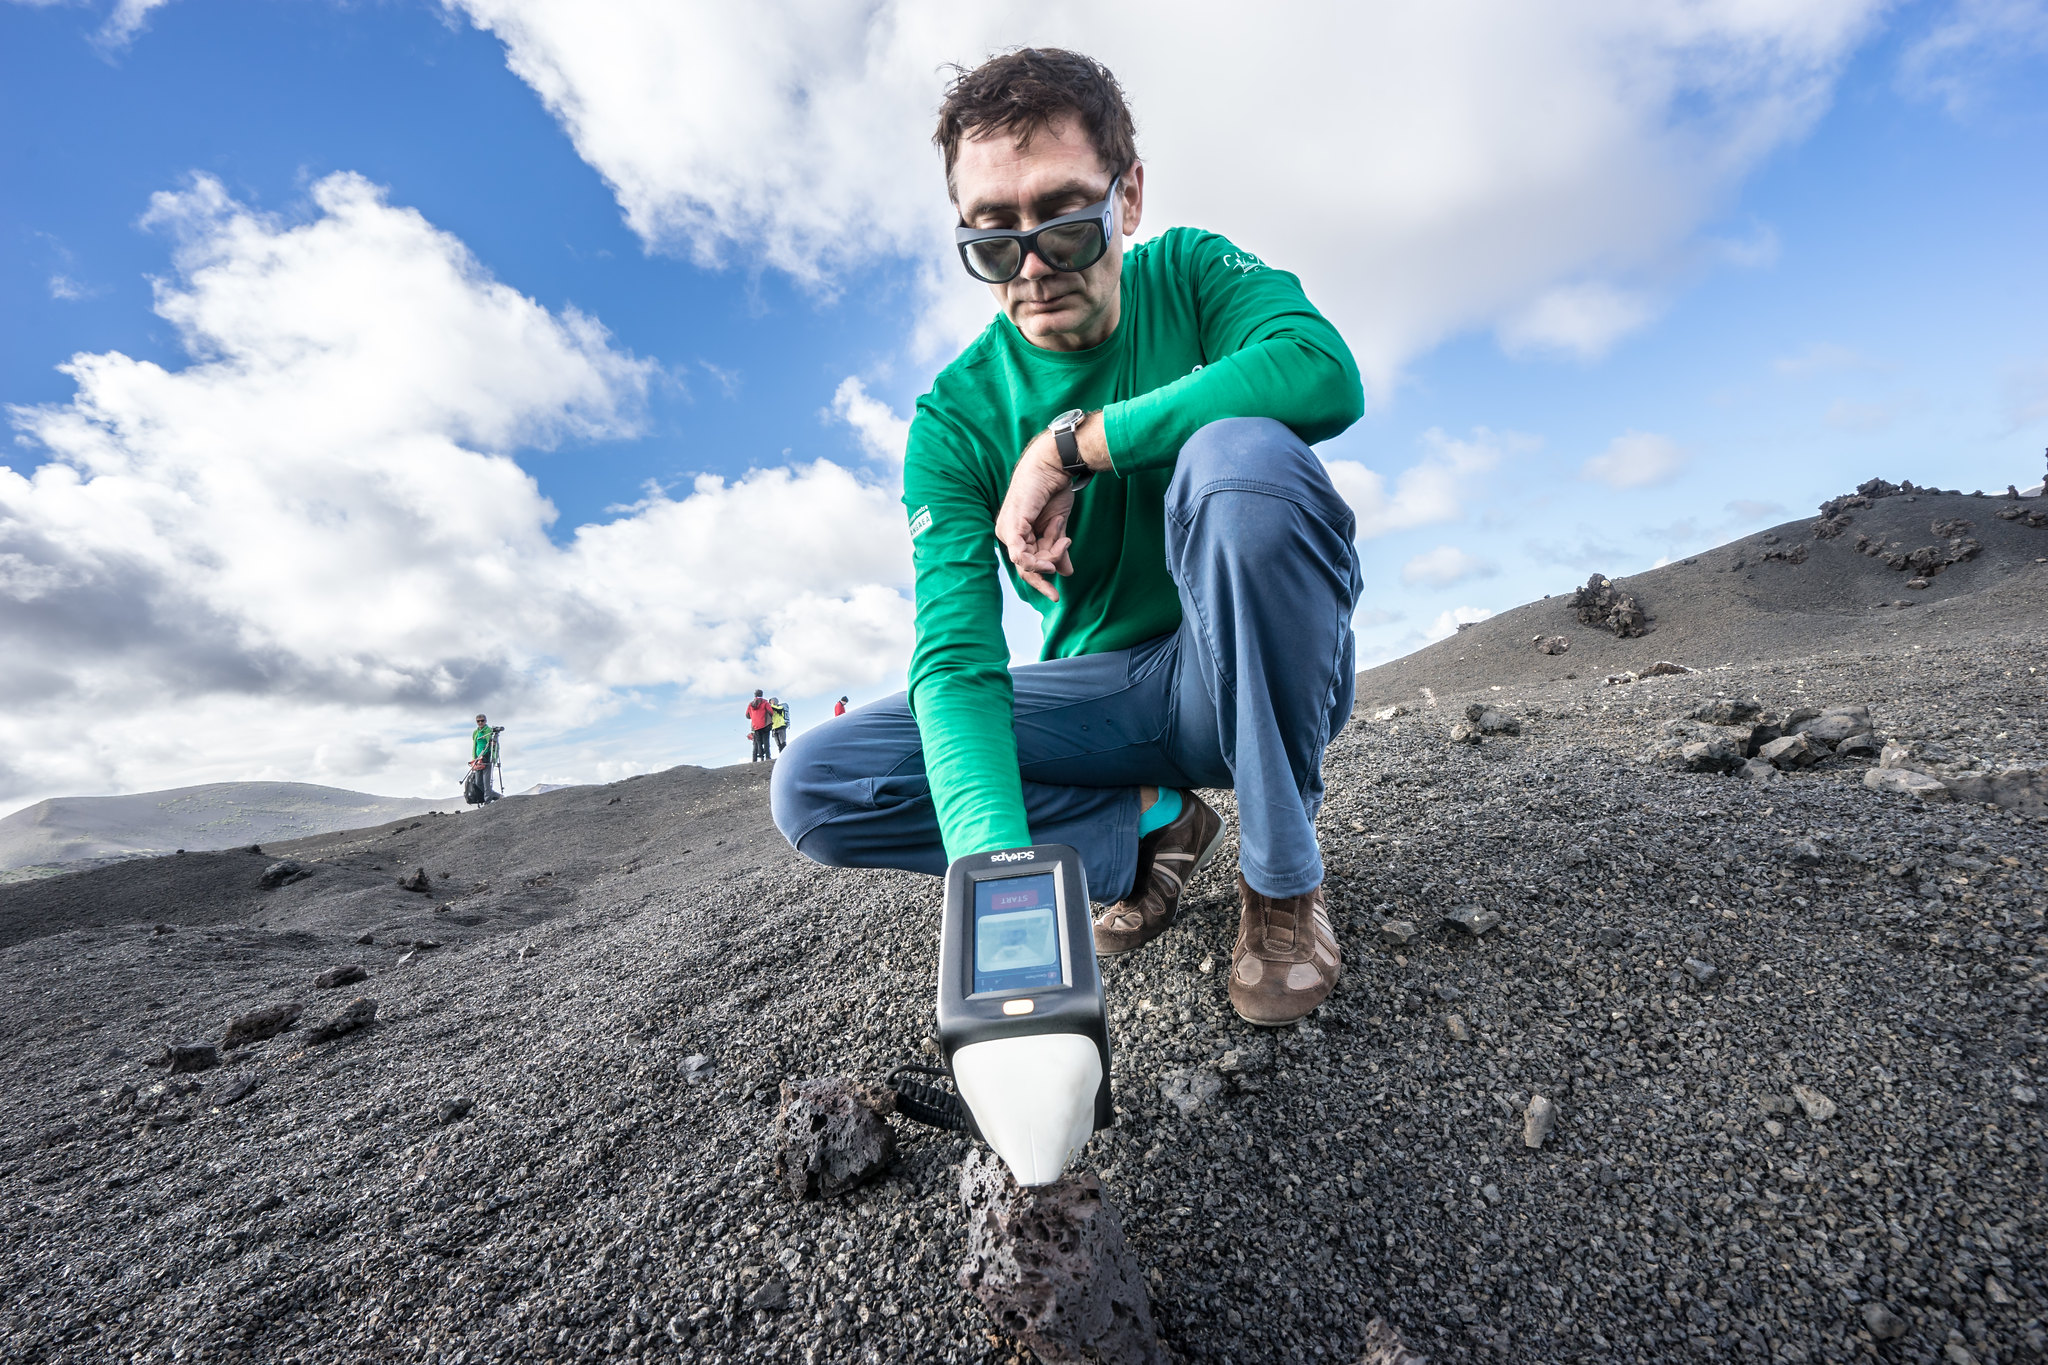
1134,428
483,755
778,721
757,726
839,707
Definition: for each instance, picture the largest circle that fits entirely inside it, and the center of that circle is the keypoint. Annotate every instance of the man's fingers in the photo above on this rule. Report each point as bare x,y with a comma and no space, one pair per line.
1046,587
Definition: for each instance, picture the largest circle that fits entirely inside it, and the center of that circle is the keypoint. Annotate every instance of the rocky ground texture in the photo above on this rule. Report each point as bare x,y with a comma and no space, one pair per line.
1778,1046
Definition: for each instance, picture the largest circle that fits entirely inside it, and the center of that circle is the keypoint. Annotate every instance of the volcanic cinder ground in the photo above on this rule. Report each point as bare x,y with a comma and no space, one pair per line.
602,1195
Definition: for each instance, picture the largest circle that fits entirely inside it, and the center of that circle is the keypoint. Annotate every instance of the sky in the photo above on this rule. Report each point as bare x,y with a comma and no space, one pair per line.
368,364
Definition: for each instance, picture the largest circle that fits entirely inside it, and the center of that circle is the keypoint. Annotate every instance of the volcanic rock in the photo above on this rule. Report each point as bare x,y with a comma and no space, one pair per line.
1819,1108
1489,721
1607,607
1472,919
1537,1121
191,1056
1724,711
258,1025
1397,932
347,974
1552,644
1906,782
1384,1346
829,1138
283,873
359,1013
416,882
1882,1323
1793,751
1051,1267
1190,1089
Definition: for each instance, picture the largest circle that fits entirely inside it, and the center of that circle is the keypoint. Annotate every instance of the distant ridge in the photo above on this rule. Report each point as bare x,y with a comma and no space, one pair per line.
75,829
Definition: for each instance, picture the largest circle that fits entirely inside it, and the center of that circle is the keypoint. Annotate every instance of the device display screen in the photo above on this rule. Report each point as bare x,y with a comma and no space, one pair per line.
1016,934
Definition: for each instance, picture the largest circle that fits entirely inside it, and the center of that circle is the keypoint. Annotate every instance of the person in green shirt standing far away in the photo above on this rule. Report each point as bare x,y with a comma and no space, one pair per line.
1129,440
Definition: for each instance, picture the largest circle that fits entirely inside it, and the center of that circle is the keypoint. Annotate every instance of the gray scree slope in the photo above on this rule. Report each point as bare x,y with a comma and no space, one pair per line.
553,1144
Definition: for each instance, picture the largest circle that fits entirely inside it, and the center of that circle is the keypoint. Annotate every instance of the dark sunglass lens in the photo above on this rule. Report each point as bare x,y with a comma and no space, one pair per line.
1076,246
995,259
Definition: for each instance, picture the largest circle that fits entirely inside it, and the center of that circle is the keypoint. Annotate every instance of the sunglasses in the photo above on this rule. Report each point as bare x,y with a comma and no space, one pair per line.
1069,243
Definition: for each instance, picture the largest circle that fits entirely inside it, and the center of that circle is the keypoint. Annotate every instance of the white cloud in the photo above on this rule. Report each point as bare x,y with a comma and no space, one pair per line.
129,18
67,290
882,433
1447,622
1426,168
1437,489
1957,62
1635,459
1443,566
1578,319
313,536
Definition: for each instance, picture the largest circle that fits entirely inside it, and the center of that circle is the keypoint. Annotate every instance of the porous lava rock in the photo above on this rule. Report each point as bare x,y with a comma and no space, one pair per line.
1607,607
830,1136
1051,1266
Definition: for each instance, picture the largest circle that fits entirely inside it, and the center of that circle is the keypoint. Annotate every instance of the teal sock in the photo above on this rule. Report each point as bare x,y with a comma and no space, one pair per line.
1161,813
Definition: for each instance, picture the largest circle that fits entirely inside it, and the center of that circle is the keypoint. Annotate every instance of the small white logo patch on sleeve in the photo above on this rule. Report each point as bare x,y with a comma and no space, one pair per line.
1243,262
920,522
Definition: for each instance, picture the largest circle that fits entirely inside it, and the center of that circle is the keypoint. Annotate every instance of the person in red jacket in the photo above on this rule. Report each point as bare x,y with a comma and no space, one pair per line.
757,722
839,707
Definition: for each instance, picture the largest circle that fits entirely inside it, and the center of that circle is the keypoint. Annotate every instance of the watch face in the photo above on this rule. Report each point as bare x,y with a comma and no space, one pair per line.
1068,420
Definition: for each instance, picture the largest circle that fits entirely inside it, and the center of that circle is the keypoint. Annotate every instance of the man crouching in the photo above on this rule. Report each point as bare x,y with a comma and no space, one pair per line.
1133,428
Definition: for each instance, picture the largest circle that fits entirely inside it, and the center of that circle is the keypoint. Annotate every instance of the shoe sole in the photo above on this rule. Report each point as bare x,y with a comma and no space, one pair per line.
1202,860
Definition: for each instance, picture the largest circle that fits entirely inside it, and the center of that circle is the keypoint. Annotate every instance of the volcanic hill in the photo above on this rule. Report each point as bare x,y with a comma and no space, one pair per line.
1790,1030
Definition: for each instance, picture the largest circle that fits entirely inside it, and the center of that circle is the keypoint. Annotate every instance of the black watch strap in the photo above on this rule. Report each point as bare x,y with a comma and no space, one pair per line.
1068,444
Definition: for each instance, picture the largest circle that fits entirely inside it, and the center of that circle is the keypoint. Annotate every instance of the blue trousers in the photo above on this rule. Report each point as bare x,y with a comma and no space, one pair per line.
1245,694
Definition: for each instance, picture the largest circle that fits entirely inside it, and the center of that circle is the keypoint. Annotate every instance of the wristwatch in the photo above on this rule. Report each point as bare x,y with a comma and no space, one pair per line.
1063,428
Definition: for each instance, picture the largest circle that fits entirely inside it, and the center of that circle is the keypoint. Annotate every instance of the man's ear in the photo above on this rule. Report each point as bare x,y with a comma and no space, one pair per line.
1133,194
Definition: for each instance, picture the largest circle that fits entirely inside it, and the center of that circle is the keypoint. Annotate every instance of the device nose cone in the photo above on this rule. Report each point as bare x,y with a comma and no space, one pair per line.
1033,1098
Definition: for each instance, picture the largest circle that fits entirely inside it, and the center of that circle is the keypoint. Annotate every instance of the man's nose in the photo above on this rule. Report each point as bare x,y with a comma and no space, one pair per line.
1035,269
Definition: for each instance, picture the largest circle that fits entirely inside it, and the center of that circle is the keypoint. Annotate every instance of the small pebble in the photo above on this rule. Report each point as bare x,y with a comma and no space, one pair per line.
1537,1122
1459,1030
1819,1108
1472,919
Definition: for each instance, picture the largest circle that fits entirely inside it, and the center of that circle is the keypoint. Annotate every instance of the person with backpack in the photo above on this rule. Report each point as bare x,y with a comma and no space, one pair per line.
757,725
778,722
483,754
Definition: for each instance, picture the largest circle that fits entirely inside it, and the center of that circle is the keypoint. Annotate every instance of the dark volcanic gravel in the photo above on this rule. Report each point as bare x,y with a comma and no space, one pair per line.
1691,968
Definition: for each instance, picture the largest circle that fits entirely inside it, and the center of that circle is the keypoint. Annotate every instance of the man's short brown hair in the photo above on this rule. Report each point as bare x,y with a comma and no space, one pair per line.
1023,91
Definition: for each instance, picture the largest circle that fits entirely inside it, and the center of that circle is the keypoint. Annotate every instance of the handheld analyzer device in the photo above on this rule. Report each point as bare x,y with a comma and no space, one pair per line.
1022,1021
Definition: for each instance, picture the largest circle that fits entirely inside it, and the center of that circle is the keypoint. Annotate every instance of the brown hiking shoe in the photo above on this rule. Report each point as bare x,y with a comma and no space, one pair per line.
1286,960
1168,859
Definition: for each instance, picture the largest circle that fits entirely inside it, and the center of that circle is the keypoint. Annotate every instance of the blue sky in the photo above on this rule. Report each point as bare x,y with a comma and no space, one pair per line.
1814,258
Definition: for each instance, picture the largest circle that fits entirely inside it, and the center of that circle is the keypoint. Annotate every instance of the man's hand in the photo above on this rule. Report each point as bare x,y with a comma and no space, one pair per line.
1034,518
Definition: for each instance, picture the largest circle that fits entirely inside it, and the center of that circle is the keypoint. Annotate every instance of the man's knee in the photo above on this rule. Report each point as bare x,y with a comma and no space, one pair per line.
1256,457
1256,449
796,796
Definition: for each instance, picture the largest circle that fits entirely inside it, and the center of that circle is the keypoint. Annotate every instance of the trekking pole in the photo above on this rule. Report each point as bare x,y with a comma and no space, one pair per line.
498,754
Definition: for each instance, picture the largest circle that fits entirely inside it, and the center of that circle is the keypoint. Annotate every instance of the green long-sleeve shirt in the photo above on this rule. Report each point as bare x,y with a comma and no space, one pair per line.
480,743
1206,332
